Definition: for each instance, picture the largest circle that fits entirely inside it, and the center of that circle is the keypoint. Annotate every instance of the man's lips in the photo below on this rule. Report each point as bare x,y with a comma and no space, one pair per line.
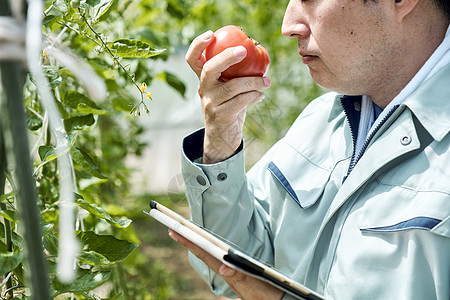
307,57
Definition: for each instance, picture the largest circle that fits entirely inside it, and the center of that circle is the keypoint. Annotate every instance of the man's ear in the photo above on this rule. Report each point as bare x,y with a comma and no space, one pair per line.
403,8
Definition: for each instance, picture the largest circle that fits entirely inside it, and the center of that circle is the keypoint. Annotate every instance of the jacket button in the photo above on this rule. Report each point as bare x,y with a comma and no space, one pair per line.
222,176
405,140
201,180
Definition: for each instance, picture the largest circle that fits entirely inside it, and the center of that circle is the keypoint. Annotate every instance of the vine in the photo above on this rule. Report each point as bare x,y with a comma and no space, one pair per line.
96,139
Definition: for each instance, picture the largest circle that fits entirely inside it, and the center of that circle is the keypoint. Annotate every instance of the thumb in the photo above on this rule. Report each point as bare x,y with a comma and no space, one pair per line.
226,271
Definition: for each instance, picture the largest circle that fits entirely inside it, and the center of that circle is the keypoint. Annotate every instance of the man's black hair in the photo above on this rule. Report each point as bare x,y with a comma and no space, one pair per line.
444,5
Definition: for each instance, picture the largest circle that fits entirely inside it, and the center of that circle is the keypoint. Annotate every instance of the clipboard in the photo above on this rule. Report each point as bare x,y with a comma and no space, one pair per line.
228,254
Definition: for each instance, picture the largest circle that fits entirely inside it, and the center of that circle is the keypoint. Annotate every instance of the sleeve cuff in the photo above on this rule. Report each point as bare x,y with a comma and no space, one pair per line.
193,146
217,178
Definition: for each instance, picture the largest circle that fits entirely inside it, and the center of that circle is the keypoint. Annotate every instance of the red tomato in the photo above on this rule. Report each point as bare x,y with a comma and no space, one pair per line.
257,61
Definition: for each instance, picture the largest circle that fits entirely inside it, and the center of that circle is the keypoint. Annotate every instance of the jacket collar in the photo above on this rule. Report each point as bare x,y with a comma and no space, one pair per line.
430,103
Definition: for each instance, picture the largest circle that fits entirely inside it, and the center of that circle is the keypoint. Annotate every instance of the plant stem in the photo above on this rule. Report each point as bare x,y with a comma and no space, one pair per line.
8,231
100,42
15,133
116,60
26,194
104,45
79,32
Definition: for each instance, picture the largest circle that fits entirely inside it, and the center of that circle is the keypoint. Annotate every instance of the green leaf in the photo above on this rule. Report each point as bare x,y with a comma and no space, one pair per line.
47,228
9,261
86,280
93,258
61,6
48,189
86,163
79,122
129,234
133,49
103,249
50,19
9,215
33,122
48,153
98,7
5,197
53,75
50,242
45,151
121,104
173,81
177,9
101,213
16,239
81,103
155,37
62,110
3,247
142,73
19,272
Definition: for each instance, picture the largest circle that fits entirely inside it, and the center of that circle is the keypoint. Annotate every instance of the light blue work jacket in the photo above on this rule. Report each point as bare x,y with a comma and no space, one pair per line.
383,233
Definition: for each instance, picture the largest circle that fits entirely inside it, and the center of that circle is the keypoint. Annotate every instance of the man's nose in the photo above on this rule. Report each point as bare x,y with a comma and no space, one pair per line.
295,21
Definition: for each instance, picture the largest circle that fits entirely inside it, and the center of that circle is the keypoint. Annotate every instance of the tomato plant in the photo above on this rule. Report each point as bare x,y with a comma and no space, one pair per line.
257,61
121,41
64,229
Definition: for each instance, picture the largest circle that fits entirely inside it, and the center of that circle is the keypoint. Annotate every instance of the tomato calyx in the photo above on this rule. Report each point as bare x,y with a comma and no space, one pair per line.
256,43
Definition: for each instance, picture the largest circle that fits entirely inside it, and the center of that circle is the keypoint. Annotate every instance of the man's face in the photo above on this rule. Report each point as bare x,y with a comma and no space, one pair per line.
346,44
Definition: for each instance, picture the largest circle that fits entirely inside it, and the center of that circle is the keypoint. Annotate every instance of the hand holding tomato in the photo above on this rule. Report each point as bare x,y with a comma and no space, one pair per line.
257,61
224,99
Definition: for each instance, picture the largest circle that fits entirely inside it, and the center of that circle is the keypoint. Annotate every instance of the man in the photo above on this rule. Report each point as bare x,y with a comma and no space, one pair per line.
354,201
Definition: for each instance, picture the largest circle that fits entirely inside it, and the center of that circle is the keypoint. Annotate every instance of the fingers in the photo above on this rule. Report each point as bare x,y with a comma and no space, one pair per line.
219,63
245,287
223,102
211,87
194,56
226,271
217,266
233,96
207,258
213,68
224,105
230,109
222,92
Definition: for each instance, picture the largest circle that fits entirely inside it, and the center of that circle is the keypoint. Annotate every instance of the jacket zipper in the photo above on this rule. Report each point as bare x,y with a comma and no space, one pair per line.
352,131
356,157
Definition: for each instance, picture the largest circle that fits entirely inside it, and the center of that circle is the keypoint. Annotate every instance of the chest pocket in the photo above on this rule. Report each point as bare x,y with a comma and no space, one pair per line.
302,179
398,209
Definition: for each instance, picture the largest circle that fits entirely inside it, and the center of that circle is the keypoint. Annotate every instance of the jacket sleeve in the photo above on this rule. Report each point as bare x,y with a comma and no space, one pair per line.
222,200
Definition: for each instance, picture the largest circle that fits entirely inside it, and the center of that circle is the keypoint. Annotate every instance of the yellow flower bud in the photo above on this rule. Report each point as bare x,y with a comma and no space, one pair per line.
143,86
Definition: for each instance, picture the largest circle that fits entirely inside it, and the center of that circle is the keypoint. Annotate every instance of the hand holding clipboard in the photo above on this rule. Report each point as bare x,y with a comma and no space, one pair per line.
228,254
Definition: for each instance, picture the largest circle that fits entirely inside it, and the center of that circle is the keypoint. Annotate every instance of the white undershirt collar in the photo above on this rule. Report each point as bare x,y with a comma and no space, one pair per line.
437,60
